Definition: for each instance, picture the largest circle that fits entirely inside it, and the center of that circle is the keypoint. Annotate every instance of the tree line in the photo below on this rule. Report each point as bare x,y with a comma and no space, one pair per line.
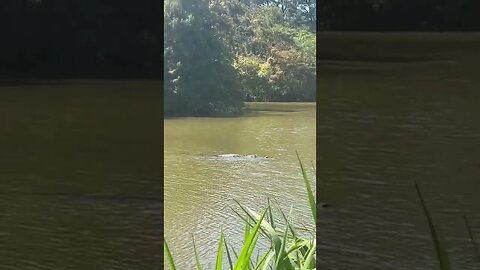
219,53
399,15
80,38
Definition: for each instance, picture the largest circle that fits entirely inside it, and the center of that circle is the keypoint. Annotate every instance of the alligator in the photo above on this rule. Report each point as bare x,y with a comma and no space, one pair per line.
240,157
324,204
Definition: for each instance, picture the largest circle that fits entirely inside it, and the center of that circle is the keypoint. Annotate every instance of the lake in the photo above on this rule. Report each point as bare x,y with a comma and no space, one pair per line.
395,109
200,189
81,175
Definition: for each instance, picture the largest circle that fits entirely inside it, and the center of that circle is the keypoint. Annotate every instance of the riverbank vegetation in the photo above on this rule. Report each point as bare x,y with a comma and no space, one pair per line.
220,53
289,249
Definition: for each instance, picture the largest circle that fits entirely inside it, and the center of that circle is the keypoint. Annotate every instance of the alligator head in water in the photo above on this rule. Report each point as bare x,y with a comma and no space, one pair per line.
238,156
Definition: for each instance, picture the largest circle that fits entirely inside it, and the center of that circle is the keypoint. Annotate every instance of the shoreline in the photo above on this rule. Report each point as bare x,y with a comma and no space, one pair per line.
68,81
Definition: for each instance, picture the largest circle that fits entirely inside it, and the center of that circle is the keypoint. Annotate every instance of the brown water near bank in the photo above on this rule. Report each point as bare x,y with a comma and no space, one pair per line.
384,123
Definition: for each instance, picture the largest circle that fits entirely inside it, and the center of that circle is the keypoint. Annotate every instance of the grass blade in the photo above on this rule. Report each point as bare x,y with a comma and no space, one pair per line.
270,214
472,239
266,263
282,261
168,255
262,259
292,230
220,253
309,261
252,215
442,254
230,263
197,260
247,249
311,197
234,252
247,230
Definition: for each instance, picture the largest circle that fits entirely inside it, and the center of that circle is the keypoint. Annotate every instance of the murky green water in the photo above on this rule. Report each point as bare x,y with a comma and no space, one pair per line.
199,189
400,108
81,176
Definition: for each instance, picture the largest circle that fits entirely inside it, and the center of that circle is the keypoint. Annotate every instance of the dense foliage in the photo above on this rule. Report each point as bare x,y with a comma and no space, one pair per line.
199,75
219,53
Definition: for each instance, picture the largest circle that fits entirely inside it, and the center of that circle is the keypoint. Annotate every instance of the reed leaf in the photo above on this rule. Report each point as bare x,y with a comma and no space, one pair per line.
472,238
246,252
247,230
310,260
267,261
197,260
169,256
270,214
262,260
311,196
282,261
218,265
230,262
442,255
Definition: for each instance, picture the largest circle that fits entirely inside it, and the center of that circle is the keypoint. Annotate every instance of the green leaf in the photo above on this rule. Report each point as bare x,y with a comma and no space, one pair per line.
309,261
247,249
267,261
262,259
270,214
247,230
168,255
311,197
220,253
472,239
199,266
442,255
282,261
228,255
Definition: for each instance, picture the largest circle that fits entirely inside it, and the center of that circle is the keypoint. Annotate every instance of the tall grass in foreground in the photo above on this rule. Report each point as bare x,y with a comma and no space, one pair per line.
472,239
440,249
288,250
442,254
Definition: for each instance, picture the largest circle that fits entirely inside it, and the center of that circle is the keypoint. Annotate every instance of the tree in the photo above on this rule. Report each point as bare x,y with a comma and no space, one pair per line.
199,74
278,61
